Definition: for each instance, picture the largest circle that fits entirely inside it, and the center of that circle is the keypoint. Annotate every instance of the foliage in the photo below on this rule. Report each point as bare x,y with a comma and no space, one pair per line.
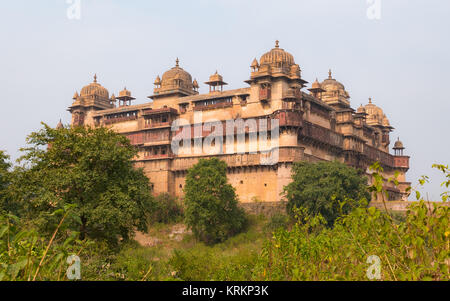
91,168
326,188
416,249
4,179
167,209
231,260
26,255
211,202
278,220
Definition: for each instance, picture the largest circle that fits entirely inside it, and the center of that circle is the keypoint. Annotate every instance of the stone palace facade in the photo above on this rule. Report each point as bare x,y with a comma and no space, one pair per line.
312,126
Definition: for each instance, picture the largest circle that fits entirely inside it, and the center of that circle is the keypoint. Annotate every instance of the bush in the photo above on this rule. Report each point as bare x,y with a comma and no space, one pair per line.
211,202
326,188
167,209
278,220
232,260
27,255
415,248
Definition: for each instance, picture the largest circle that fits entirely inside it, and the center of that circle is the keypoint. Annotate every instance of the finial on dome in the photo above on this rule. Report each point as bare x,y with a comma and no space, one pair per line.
195,84
177,63
95,78
277,44
157,81
59,125
370,99
329,74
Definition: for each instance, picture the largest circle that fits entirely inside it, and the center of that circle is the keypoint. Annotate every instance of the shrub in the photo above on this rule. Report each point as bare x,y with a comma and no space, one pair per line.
27,255
413,249
167,209
211,202
276,221
326,188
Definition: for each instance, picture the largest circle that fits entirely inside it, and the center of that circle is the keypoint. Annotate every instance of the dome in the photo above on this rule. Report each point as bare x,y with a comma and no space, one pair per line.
316,85
216,77
176,73
361,110
375,114
94,88
330,84
125,93
398,144
386,121
277,56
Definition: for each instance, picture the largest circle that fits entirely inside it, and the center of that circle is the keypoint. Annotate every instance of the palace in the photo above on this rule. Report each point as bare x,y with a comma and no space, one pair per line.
311,126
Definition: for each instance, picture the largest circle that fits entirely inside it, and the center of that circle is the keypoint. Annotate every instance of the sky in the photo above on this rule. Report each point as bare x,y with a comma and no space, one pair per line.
399,57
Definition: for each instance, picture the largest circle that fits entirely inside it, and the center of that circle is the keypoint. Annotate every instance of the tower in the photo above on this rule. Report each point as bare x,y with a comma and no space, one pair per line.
316,89
125,98
216,81
93,97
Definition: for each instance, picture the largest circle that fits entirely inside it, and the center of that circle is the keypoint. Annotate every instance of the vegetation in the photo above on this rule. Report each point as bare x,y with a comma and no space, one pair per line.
86,174
89,168
414,249
27,255
4,177
167,209
211,202
326,188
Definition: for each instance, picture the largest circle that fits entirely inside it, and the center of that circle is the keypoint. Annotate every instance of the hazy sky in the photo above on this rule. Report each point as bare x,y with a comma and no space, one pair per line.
401,60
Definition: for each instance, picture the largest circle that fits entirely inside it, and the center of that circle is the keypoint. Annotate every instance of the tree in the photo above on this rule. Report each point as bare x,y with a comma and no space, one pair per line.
91,168
324,188
211,202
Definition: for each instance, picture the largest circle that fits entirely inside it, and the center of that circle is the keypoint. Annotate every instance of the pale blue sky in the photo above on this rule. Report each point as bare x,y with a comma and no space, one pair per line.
402,60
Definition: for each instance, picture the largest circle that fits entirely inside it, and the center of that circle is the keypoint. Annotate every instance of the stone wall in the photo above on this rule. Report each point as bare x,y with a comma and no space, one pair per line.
266,208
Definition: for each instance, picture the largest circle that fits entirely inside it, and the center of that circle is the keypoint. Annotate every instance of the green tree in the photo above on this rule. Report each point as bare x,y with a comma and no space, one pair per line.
328,188
211,202
91,168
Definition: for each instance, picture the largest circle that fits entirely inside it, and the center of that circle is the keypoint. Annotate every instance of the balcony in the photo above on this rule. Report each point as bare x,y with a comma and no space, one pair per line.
322,134
120,119
401,162
157,124
220,105
292,95
374,155
265,94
